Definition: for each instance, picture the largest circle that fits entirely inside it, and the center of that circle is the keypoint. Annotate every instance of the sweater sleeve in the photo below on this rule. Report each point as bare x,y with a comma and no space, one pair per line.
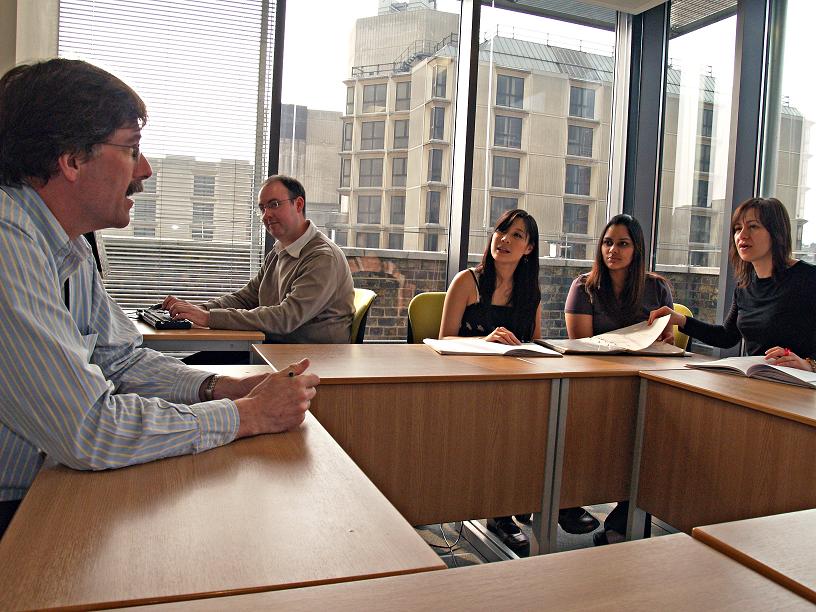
723,336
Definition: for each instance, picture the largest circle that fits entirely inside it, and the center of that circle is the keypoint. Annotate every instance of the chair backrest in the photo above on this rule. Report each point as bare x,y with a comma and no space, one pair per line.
681,339
425,316
363,298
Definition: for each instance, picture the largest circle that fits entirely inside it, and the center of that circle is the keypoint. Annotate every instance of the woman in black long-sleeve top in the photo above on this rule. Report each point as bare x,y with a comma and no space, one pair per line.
773,303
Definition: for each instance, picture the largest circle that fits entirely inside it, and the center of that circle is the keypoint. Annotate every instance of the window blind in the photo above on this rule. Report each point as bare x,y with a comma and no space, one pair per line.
203,68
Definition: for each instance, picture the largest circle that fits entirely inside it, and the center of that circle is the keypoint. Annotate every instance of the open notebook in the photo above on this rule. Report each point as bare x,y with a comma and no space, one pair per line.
477,346
757,367
640,339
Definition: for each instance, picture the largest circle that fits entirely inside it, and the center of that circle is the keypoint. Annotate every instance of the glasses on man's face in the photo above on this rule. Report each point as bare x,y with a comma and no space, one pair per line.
271,204
135,151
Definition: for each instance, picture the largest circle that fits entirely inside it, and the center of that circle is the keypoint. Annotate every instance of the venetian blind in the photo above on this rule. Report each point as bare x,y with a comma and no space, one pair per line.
203,68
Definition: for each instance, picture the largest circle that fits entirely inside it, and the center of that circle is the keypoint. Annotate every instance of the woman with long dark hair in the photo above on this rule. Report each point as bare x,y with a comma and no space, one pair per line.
500,300
617,292
774,295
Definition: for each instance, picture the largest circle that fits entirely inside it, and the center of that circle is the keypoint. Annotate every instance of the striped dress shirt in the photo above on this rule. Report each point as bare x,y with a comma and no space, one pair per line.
74,382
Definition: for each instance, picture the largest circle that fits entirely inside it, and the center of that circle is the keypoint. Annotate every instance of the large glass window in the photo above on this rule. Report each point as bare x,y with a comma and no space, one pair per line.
432,207
440,81
579,141
507,132
397,210
506,171
349,100
509,91
374,98
437,123
576,218
348,132
582,102
401,127
403,96
345,172
578,180
368,209
399,171
435,165
372,135
500,205
371,172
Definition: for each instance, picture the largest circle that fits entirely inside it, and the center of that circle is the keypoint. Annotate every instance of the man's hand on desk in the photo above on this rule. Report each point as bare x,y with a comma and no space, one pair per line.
278,402
180,309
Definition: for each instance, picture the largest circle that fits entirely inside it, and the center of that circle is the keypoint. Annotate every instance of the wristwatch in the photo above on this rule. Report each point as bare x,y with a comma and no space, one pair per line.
210,388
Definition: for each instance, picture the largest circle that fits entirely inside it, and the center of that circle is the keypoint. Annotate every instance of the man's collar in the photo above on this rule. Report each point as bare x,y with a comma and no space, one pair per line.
294,249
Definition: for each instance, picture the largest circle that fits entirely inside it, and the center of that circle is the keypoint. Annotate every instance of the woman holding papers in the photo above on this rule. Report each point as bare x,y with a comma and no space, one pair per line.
500,300
616,293
775,294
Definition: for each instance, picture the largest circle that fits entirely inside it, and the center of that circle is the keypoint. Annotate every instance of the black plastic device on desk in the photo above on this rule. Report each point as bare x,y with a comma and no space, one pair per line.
161,319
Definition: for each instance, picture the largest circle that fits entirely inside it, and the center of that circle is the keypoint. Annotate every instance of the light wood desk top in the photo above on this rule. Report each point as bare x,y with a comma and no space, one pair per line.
269,512
780,547
196,333
786,401
666,573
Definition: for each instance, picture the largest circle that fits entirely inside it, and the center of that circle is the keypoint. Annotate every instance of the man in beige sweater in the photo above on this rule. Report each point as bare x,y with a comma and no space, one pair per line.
303,293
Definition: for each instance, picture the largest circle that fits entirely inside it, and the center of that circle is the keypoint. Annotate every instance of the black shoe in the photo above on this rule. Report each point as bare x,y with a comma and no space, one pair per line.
577,521
510,535
524,519
602,538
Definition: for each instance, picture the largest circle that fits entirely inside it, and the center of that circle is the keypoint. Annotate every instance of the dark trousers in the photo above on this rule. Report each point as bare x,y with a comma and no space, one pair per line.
7,510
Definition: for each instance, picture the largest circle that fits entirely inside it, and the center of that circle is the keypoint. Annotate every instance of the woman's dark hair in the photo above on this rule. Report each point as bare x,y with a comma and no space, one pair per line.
56,107
598,283
771,213
526,292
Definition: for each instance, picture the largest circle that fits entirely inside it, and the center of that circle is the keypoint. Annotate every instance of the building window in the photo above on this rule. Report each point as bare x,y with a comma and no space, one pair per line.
203,186
368,240
701,197
578,179
350,100
698,258
435,165
700,230
431,242
149,186
440,81
395,240
341,238
432,207
704,157
579,141
397,210
707,122
399,171
499,206
345,172
371,172
368,211
348,131
576,218
509,91
575,250
144,215
403,99
401,127
373,135
582,102
202,226
437,123
374,98
507,132
506,172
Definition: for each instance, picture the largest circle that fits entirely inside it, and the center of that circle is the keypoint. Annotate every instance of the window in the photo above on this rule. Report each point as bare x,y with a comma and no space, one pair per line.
368,240
368,211
576,218
435,165
149,186
349,100
509,91
582,102
401,133
144,216
575,250
397,210
403,97
499,206
204,186
700,230
707,122
345,172
396,240
698,258
202,225
432,207
371,172
507,132
373,135
440,81
437,123
506,172
702,194
341,238
431,242
348,131
704,157
578,179
579,141
399,171
374,98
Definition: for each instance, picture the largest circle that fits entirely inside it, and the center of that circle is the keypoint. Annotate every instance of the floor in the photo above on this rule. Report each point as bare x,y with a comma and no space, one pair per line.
454,549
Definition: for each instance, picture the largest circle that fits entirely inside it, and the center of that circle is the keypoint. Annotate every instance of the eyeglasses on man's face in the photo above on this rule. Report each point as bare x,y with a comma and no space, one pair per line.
135,151
272,204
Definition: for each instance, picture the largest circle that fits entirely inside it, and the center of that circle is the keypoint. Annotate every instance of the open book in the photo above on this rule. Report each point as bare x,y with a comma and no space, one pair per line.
477,346
757,367
640,338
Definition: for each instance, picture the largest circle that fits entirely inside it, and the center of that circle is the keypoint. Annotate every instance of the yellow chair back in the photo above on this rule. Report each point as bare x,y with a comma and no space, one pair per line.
363,298
681,339
425,316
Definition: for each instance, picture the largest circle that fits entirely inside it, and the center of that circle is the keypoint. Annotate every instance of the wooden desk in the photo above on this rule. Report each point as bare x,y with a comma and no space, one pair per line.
270,512
718,448
779,547
197,339
667,573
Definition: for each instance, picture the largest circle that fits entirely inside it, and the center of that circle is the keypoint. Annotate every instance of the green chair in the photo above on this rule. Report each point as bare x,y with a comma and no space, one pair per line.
363,298
425,316
681,339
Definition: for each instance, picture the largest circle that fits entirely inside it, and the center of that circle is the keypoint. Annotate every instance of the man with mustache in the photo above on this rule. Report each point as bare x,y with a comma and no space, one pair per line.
303,293
76,384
